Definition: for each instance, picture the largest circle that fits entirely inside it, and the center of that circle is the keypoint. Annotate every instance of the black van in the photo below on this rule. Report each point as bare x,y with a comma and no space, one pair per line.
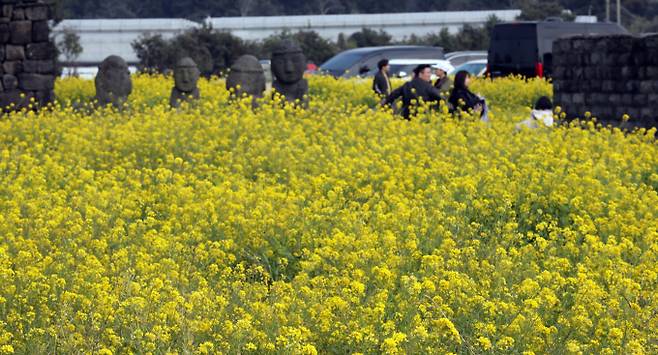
526,48
361,61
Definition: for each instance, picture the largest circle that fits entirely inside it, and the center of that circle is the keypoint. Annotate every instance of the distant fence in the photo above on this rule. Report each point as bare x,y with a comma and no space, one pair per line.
608,76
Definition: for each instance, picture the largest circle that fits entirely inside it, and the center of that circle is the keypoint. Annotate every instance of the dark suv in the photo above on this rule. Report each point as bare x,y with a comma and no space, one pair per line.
361,61
526,48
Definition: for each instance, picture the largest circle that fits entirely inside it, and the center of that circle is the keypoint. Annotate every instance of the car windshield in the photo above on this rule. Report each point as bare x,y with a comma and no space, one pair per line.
341,62
472,68
514,45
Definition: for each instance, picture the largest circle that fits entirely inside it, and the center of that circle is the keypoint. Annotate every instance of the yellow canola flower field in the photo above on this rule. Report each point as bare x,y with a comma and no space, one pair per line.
333,229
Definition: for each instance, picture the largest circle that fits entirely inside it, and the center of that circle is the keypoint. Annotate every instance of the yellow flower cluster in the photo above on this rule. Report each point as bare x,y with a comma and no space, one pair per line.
338,228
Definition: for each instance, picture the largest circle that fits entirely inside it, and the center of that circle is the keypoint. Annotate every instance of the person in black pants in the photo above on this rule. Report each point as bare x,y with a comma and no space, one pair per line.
382,84
420,87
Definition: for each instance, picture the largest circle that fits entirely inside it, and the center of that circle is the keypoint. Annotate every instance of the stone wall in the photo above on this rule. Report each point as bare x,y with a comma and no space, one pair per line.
608,76
27,57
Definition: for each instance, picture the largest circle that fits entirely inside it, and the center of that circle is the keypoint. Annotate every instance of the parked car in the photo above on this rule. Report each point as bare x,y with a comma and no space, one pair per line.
474,67
361,61
526,48
459,58
403,68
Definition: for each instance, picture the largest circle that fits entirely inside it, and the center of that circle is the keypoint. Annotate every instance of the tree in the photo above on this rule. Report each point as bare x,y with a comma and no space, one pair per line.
324,7
213,51
369,38
534,10
69,46
245,6
153,53
315,48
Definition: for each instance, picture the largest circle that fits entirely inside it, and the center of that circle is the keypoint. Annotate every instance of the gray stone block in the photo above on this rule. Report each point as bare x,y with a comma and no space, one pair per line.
9,82
600,99
608,86
652,72
36,82
40,31
630,86
37,12
39,66
610,60
640,99
21,32
628,72
627,99
14,52
565,100
646,86
4,33
623,59
647,113
651,41
596,58
639,59
18,14
40,51
578,99
12,67
6,10
591,73
621,43
653,99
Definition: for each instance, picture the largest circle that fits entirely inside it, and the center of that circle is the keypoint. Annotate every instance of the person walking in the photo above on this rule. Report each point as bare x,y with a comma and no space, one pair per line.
412,92
381,84
443,82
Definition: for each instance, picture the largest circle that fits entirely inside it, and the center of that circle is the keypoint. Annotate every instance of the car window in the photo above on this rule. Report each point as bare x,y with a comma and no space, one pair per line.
514,45
473,68
342,61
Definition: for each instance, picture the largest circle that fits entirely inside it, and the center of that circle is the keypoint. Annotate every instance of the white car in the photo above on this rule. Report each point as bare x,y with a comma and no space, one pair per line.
459,58
403,68
475,67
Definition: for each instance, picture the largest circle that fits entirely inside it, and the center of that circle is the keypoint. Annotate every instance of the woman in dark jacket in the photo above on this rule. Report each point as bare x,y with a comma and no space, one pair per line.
461,98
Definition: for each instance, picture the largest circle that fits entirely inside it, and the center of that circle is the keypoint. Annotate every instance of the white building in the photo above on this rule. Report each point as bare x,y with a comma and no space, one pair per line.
398,25
101,38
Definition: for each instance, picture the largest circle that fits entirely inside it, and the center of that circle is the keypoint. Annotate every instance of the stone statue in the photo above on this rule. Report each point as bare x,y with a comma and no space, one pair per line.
288,65
186,77
113,84
246,77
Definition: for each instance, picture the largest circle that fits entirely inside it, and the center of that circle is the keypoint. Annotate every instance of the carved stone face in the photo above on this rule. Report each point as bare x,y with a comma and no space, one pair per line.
114,76
113,84
186,75
288,62
246,77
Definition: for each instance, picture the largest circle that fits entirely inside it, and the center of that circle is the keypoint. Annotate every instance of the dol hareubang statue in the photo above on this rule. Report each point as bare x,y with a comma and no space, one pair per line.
246,77
113,83
186,77
288,65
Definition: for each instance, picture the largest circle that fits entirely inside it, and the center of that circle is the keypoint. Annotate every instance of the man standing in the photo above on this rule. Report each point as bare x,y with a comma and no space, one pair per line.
381,84
443,82
412,92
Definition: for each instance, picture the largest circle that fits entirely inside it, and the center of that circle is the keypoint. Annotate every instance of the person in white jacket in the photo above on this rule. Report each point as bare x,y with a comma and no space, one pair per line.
541,115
